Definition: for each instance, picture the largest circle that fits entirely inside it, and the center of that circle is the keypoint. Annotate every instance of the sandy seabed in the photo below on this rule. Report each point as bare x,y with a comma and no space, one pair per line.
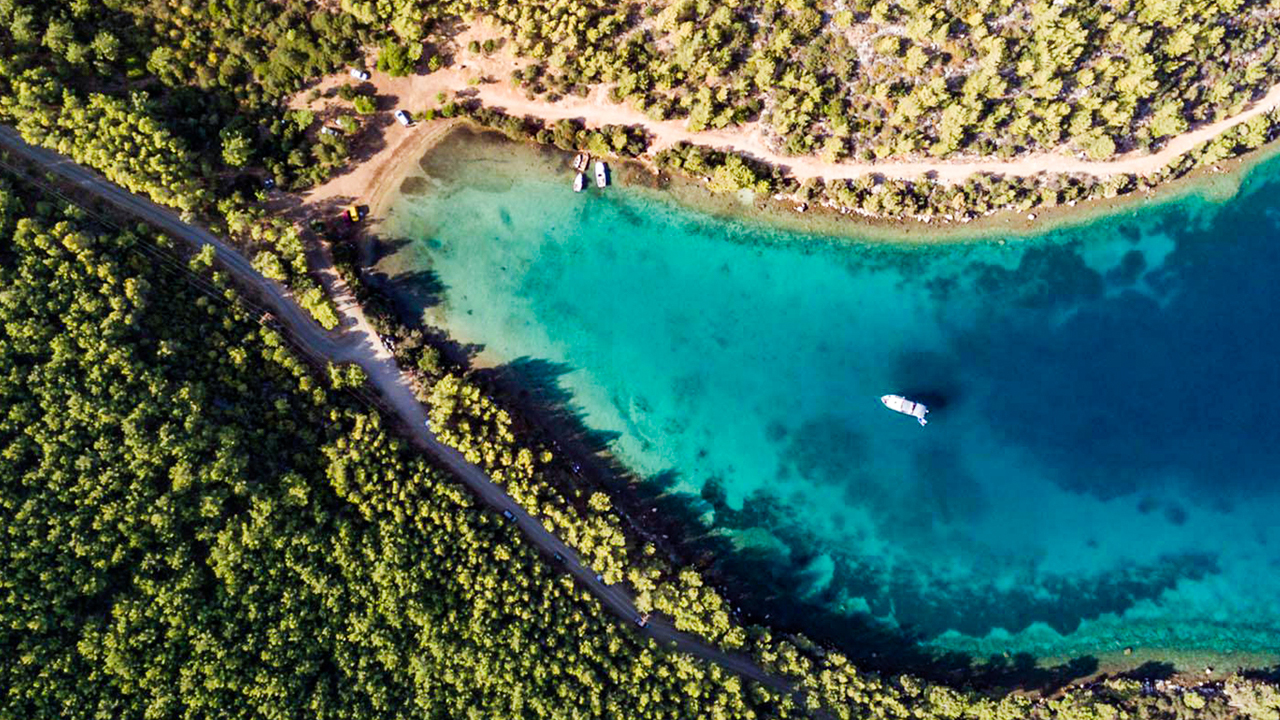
378,181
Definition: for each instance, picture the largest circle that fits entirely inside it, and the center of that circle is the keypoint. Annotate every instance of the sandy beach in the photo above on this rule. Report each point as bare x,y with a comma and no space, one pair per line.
375,183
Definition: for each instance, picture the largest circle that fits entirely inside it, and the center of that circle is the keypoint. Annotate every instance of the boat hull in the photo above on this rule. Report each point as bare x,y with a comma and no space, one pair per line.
897,403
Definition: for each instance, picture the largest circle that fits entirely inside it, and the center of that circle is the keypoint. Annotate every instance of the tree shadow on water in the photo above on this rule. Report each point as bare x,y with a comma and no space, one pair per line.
1151,670
782,576
378,248
535,383
415,290
879,647
1271,674
410,291
1022,672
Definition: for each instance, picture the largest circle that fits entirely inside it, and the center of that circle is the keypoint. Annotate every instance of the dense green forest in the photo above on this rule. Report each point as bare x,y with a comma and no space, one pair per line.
197,525
889,78
179,101
184,100
865,78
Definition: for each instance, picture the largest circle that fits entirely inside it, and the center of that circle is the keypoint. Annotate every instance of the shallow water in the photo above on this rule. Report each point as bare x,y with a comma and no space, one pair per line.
1099,470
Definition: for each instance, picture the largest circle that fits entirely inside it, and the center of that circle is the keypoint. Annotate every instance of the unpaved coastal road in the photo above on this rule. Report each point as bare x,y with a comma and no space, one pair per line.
419,92
356,341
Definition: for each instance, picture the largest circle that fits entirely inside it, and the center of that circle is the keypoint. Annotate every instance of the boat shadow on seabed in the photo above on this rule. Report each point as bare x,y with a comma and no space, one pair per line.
934,400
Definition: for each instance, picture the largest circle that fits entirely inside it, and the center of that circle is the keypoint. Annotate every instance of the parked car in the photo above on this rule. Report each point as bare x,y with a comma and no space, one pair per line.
559,557
403,118
359,74
326,130
643,620
509,515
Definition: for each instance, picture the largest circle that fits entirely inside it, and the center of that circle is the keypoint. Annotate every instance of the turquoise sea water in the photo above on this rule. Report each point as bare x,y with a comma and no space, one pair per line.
1100,466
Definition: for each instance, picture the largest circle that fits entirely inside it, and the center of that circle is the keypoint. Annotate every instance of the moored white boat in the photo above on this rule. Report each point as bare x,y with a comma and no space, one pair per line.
897,403
602,174
579,182
580,162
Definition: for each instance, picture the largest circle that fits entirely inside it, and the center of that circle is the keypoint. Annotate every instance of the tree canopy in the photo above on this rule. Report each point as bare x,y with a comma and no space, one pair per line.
199,524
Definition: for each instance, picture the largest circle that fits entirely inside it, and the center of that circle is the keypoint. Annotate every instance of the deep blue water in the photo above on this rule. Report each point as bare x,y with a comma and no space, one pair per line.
1099,470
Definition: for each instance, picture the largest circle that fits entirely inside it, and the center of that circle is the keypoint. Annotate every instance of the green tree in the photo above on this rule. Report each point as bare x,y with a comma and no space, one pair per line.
237,150
398,60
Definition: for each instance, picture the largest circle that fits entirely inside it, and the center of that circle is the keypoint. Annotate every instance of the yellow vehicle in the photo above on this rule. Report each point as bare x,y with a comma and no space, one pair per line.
353,212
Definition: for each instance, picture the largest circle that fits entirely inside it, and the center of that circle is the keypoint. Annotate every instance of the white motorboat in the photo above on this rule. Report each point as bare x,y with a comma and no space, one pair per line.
579,182
602,174
897,403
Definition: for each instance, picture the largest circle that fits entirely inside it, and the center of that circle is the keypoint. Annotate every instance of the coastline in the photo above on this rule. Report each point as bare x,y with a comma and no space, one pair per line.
375,180
403,165
1216,186
1185,667
384,149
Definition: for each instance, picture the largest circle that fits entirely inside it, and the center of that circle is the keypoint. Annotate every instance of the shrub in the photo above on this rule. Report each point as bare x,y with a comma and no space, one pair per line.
397,60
